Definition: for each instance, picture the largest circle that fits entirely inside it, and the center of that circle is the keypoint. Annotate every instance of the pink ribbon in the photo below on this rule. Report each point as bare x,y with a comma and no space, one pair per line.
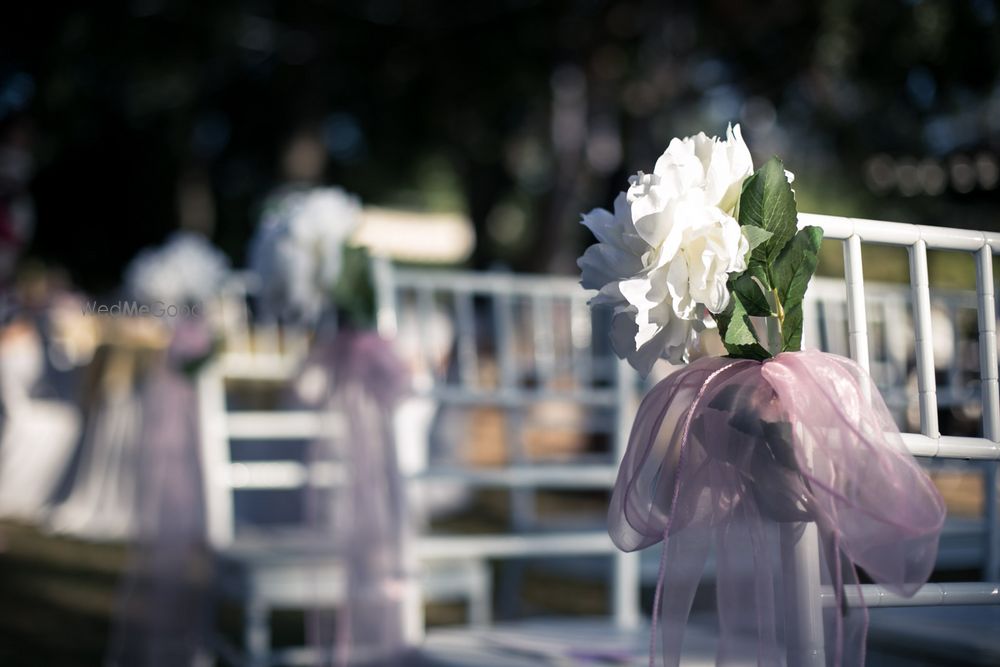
365,380
726,452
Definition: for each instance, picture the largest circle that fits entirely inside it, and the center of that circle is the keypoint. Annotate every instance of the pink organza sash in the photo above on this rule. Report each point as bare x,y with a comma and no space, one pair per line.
726,454
366,512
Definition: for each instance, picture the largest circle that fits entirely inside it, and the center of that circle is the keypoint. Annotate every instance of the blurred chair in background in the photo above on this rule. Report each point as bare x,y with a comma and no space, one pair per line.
549,417
98,497
265,567
304,509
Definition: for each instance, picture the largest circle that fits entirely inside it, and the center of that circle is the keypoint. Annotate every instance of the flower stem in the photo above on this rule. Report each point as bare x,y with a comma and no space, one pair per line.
775,324
779,310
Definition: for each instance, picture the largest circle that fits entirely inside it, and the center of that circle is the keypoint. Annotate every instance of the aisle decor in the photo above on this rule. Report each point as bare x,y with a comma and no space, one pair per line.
176,286
743,454
312,274
297,252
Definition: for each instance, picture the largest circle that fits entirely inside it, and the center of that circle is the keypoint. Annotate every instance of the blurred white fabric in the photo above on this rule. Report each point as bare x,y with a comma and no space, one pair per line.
38,435
101,501
426,352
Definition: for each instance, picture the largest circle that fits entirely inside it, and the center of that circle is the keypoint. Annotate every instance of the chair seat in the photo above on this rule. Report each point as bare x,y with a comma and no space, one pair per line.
291,568
280,547
286,570
583,641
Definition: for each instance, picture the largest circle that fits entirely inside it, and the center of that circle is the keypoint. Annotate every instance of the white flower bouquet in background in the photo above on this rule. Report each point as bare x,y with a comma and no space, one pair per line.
178,283
297,251
186,270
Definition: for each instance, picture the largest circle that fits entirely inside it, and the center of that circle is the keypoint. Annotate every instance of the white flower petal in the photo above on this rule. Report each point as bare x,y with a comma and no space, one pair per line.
602,263
601,223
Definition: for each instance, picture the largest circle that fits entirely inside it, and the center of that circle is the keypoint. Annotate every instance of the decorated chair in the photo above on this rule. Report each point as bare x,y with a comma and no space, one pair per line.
807,596
529,402
273,506
262,572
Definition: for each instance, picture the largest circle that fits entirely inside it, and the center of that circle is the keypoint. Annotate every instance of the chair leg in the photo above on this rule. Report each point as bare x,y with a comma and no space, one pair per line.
481,595
511,579
413,612
256,633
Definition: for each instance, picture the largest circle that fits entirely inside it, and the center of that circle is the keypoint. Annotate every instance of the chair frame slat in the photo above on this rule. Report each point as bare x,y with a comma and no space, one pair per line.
990,397
923,337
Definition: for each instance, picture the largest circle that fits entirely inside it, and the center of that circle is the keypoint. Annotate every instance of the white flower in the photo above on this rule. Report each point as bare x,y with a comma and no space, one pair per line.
608,266
297,248
663,258
186,269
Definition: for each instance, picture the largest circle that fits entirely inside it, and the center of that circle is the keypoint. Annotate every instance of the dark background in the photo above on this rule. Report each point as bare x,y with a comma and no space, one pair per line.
147,115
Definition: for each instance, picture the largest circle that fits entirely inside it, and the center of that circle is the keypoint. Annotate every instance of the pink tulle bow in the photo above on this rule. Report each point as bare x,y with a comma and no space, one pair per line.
365,381
726,454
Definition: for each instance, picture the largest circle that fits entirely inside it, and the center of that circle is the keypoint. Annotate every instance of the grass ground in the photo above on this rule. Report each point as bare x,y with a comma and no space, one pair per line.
56,598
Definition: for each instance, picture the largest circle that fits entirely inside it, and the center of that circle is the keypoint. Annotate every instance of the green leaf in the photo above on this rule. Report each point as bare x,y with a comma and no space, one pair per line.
354,294
737,331
790,275
756,235
791,330
750,294
767,201
759,271
795,266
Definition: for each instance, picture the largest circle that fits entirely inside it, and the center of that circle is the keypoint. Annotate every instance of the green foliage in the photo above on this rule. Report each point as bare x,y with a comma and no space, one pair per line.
737,331
353,294
751,294
790,276
781,263
767,202
756,235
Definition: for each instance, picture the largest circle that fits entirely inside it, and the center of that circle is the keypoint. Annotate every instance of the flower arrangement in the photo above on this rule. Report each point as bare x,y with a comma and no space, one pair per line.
739,453
185,270
178,279
702,241
297,250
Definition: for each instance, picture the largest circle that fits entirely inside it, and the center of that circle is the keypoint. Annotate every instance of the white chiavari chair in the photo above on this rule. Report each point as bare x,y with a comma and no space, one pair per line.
525,350
280,566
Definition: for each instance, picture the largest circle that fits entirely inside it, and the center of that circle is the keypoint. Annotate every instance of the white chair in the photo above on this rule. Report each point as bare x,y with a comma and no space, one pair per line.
263,570
526,348
806,642
807,648
889,311
293,567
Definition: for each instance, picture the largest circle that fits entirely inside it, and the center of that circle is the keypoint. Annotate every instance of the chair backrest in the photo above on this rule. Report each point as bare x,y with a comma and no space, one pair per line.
928,442
528,350
262,446
268,351
892,353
